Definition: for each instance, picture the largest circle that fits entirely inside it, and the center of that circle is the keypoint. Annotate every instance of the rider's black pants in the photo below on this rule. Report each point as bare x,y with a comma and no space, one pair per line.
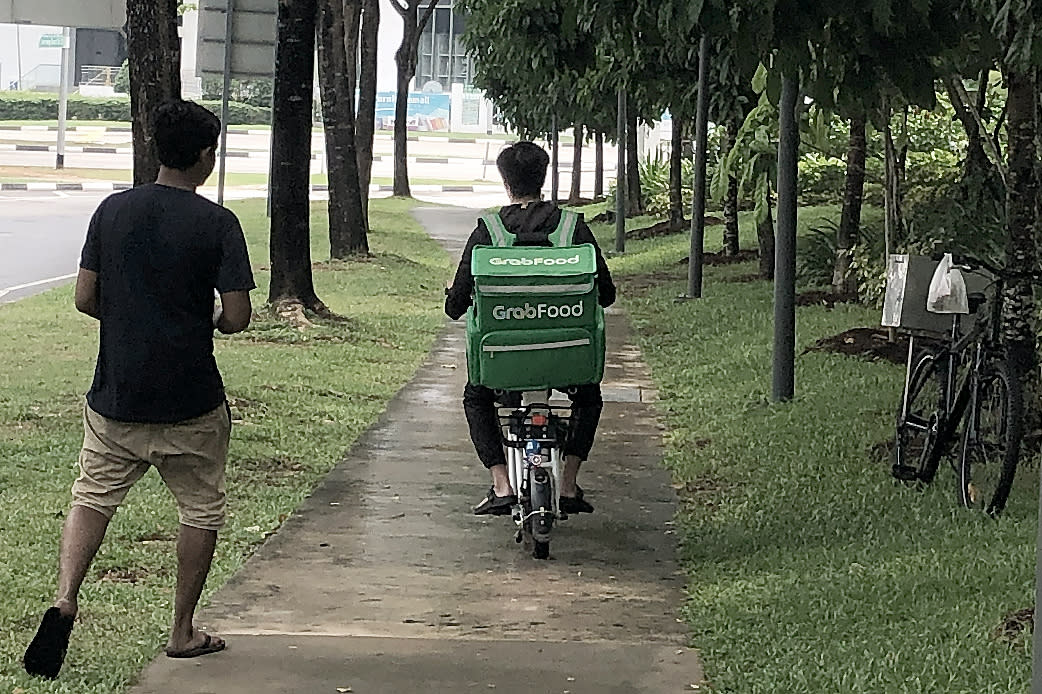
479,404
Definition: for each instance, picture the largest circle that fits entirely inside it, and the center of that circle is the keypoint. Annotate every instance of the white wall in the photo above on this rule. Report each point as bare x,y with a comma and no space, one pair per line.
29,37
389,40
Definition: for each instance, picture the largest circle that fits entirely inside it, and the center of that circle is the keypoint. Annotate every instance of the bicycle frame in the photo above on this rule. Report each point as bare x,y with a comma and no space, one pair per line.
533,428
984,337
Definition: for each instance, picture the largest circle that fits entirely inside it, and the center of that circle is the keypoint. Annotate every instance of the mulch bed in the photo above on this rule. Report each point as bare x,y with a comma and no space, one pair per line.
824,298
743,279
867,343
721,258
1015,626
655,230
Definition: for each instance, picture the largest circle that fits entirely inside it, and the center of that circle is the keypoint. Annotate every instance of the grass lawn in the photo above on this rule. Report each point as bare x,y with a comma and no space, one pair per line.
300,400
810,570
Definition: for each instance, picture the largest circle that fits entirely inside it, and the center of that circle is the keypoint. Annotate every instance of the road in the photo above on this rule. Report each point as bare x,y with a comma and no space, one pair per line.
41,233
431,158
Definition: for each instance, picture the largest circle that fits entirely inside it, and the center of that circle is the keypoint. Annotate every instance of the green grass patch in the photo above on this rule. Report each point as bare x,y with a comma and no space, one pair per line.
300,401
809,568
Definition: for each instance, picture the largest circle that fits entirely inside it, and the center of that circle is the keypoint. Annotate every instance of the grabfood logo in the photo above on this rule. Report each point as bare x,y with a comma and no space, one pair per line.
530,312
574,260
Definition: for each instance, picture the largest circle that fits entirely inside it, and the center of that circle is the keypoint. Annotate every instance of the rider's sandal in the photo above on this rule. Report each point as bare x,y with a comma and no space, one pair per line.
575,504
493,505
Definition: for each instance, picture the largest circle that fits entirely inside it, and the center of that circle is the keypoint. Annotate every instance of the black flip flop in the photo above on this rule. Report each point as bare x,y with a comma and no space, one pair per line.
209,645
493,505
46,652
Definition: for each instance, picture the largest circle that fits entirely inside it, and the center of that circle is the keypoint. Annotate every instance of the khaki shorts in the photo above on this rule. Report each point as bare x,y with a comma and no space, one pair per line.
189,455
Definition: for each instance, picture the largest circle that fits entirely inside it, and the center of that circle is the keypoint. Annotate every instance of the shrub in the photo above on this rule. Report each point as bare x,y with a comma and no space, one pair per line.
816,254
253,92
44,106
122,84
821,179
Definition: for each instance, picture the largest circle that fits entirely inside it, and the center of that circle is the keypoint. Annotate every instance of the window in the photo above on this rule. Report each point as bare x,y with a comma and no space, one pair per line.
442,57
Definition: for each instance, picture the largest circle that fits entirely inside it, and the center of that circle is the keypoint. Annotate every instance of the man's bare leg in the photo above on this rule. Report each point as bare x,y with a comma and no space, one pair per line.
501,480
195,549
82,534
572,463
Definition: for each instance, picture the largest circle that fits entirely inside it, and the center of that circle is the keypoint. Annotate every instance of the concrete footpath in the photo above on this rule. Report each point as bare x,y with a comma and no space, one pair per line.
383,582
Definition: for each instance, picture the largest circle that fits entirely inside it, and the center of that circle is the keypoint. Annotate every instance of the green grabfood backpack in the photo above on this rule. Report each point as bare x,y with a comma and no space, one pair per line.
535,322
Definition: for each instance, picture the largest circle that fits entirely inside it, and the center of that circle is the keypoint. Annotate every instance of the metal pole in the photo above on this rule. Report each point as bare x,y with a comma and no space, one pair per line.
271,152
620,178
555,175
18,51
63,98
698,204
228,18
451,42
1036,662
783,386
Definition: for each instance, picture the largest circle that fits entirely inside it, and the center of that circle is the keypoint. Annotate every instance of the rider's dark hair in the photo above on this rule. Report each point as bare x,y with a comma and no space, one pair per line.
523,168
181,131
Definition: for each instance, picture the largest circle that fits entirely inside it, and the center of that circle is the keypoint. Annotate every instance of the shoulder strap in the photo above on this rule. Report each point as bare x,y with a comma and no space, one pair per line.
501,238
565,231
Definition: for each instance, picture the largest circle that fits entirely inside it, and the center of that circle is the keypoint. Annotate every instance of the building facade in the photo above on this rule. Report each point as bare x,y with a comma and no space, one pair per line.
442,58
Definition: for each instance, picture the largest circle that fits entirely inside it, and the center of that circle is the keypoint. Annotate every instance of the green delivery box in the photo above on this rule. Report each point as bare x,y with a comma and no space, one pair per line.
535,322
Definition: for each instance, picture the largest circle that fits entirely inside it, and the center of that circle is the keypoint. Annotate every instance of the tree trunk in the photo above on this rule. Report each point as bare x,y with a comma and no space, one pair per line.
1019,321
154,57
575,195
731,240
598,182
406,60
765,238
893,226
555,163
676,177
978,167
365,123
290,243
338,45
635,203
844,282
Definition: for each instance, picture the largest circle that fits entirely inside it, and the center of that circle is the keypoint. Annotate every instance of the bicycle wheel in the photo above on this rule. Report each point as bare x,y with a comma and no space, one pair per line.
542,512
991,440
917,449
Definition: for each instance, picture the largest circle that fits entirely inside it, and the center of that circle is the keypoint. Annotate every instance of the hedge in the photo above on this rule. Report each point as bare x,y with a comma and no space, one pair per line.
44,106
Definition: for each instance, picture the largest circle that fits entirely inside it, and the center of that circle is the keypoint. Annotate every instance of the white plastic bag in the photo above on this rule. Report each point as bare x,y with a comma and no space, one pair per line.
947,289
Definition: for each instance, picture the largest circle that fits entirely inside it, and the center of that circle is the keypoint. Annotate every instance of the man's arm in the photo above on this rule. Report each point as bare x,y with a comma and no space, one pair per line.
87,293
234,280
236,311
458,295
605,284
87,300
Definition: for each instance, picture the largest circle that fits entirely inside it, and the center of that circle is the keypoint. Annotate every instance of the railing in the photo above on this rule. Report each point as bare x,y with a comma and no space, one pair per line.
98,75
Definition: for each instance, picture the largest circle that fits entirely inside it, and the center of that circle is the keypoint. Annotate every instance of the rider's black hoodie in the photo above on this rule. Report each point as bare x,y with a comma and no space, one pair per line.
532,224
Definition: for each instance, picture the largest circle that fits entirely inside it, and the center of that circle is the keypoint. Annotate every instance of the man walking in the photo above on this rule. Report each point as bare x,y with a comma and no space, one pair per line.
151,262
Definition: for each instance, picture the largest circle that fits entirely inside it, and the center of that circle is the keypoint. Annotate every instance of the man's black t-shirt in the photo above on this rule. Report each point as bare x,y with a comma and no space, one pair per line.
159,253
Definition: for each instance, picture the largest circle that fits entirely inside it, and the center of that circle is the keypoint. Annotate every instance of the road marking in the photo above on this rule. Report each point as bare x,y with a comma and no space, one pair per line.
37,283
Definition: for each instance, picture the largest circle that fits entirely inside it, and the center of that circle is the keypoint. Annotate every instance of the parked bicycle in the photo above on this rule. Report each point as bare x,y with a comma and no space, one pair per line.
964,380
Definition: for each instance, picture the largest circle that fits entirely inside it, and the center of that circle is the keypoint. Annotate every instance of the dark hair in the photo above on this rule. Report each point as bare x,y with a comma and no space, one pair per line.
181,131
523,168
